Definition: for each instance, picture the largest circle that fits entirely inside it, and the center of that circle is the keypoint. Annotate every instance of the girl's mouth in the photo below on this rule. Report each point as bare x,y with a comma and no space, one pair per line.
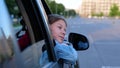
62,38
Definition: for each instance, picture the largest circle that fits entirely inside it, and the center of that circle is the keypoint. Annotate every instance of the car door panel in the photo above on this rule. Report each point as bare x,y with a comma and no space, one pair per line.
38,23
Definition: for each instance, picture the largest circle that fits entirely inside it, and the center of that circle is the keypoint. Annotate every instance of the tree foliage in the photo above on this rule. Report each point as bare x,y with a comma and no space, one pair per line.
97,14
12,7
59,9
54,7
114,10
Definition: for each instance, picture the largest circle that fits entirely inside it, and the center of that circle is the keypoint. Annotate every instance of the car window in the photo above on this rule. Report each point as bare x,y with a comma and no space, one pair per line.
20,40
23,32
30,31
9,50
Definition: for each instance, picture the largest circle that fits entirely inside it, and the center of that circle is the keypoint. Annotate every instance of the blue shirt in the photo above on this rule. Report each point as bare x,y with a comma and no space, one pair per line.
63,51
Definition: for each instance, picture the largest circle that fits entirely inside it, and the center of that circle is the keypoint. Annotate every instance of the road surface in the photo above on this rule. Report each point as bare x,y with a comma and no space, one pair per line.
104,37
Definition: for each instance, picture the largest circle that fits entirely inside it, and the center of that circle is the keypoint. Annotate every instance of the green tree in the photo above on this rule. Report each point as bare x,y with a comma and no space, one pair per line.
59,8
12,7
52,6
72,12
101,14
119,13
114,10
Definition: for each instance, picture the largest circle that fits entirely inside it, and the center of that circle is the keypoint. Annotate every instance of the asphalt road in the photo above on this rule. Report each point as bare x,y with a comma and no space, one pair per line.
104,37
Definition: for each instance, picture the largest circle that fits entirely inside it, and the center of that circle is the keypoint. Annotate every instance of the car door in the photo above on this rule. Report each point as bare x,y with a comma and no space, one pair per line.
38,34
23,36
37,12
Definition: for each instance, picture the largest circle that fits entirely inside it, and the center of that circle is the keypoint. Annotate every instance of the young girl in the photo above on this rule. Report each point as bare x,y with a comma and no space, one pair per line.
63,49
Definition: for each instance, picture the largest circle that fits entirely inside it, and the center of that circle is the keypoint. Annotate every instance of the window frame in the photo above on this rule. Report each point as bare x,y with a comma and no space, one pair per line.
34,13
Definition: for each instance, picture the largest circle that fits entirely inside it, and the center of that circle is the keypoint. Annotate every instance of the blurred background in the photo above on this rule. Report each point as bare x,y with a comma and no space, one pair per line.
98,20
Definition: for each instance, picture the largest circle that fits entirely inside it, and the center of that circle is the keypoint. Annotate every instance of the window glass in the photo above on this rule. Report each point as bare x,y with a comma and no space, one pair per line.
15,30
19,25
8,45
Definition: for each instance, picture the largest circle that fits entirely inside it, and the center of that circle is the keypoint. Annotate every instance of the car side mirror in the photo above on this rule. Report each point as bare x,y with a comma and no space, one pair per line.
79,41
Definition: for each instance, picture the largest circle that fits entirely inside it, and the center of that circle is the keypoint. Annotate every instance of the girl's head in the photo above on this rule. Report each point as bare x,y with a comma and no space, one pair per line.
58,27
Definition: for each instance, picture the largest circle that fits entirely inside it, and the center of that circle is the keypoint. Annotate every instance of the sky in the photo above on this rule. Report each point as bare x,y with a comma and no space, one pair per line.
70,4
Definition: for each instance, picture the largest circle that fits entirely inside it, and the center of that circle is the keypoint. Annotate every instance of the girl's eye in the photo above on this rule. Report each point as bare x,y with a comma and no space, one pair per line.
59,27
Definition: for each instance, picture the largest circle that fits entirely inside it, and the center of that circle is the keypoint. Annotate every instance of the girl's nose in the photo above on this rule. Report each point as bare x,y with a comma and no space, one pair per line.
64,32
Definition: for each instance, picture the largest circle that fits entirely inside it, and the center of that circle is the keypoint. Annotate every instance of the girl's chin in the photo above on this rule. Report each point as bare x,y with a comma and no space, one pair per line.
60,41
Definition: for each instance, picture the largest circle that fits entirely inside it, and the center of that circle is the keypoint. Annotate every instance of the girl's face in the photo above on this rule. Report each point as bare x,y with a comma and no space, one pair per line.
58,30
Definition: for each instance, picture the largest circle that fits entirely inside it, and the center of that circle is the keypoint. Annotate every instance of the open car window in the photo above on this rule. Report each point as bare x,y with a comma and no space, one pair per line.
24,33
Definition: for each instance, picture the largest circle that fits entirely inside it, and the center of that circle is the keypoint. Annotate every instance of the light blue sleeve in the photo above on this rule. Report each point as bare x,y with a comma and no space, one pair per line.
44,59
66,52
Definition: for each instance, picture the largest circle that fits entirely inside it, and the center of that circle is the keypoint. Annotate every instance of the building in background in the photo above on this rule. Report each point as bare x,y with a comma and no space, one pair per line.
97,6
